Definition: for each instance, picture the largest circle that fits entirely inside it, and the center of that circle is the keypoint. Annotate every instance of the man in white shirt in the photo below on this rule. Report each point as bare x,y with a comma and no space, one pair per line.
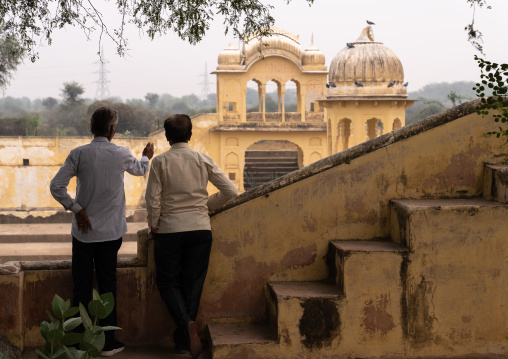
99,211
178,204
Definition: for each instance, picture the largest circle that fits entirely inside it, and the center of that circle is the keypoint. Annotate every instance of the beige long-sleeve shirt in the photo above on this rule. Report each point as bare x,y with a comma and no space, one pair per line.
176,195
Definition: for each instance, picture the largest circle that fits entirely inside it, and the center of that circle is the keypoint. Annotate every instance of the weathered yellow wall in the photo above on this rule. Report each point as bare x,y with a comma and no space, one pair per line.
284,234
27,187
391,113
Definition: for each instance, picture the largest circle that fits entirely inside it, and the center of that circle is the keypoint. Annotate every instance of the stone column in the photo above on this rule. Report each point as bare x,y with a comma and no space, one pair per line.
263,92
303,94
282,95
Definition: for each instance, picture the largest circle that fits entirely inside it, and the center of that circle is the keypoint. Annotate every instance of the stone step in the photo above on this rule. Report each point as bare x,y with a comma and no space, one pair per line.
303,315
242,340
368,274
367,260
495,183
458,254
53,232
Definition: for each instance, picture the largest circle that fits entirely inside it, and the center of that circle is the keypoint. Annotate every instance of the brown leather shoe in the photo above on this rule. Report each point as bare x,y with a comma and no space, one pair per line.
196,347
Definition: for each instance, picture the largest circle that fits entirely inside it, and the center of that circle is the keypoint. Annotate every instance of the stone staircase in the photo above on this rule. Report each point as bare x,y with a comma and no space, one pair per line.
418,266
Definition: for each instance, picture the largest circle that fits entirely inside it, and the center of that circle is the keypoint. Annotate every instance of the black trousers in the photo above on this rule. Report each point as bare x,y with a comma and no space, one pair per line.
102,255
181,262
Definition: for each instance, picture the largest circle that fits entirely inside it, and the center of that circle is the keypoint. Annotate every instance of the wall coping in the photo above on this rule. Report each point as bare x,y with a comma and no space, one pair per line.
346,156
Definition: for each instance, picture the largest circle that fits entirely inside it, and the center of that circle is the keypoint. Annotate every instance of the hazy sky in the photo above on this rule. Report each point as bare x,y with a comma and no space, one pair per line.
427,35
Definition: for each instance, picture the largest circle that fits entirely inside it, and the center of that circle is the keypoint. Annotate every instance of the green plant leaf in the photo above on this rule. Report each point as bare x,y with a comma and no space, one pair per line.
58,306
87,322
49,315
60,354
72,323
71,312
55,335
109,327
97,340
97,309
41,354
3,355
44,329
73,353
95,295
72,339
109,302
90,349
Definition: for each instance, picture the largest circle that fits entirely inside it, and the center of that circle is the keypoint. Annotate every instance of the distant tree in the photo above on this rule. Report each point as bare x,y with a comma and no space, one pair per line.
423,108
49,103
71,93
454,98
23,126
152,99
181,107
11,55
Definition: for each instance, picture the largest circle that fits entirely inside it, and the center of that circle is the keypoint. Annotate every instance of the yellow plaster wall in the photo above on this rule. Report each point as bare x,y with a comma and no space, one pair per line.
25,187
359,112
284,235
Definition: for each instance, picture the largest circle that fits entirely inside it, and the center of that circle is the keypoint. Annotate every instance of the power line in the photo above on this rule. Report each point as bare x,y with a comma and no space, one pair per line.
102,84
205,90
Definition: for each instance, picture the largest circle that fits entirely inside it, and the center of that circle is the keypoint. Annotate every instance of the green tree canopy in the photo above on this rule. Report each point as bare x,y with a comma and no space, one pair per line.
49,102
34,21
11,54
71,93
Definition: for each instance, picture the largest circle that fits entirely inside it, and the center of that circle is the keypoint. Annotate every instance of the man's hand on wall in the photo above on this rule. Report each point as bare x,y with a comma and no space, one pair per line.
148,151
83,221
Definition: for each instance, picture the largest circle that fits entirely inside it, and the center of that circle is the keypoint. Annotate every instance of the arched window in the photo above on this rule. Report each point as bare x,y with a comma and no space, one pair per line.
253,101
396,124
373,128
343,134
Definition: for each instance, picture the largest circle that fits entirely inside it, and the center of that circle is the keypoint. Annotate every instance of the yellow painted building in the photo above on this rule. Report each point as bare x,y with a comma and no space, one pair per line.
361,97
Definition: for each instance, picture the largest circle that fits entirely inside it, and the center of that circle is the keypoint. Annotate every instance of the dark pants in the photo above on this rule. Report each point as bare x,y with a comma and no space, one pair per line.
181,262
104,256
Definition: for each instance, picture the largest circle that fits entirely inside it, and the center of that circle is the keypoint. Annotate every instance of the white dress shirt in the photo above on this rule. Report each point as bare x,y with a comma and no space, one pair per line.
99,168
176,195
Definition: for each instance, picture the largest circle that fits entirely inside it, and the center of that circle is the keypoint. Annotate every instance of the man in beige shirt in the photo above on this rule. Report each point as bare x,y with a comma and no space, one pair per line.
178,204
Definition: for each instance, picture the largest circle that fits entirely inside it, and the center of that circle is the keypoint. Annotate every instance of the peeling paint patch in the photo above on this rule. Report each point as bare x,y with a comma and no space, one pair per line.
417,312
228,249
300,257
243,296
309,224
466,318
460,336
248,238
320,323
375,316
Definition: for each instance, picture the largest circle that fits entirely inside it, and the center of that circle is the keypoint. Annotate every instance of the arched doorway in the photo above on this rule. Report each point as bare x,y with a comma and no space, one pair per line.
267,159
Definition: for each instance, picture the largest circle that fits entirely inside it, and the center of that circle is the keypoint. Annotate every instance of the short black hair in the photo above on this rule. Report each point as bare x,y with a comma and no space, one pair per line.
178,128
102,119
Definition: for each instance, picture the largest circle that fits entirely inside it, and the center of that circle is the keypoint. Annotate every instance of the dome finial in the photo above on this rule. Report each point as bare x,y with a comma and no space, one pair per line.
312,40
366,35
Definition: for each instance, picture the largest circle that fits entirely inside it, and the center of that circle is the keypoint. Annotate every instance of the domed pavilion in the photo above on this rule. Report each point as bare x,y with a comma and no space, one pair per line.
366,94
